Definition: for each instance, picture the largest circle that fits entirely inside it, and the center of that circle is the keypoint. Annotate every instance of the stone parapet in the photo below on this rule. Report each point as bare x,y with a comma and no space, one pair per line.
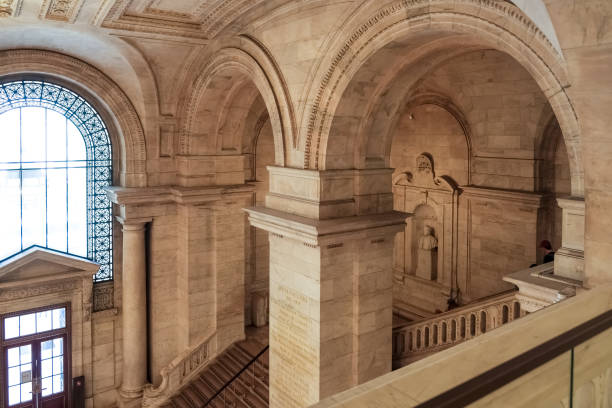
569,259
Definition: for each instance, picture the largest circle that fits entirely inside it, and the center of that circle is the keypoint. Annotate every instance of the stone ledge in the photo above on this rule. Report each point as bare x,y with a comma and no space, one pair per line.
487,193
173,194
321,232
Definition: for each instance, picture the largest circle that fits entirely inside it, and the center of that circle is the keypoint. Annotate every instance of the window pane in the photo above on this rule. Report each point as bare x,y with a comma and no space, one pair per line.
56,138
25,354
58,365
26,392
32,136
57,209
59,320
11,327
14,376
58,383
47,386
46,368
27,325
77,211
76,144
10,213
34,200
46,350
58,347
9,123
14,396
38,146
43,321
26,373
13,357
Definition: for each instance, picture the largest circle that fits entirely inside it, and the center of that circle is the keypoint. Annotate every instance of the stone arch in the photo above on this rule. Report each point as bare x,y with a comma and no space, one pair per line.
410,102
478,25
101,92
238,70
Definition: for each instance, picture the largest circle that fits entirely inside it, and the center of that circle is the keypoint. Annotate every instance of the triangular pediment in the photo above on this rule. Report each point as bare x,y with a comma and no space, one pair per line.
37,263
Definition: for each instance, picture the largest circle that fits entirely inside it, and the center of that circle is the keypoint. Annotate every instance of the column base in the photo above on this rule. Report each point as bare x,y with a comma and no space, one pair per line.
130,398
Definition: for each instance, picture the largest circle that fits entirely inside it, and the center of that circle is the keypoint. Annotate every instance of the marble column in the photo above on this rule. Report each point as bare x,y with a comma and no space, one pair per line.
134,310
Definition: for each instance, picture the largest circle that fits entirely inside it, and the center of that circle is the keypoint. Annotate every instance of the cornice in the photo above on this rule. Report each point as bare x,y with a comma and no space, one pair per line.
489,193
175,194
315,232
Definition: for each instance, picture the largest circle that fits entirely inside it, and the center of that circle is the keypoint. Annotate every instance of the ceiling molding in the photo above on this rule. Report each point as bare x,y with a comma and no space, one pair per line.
204,21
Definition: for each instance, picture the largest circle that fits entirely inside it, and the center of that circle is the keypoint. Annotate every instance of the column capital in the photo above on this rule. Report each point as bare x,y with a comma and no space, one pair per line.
572,204
133,224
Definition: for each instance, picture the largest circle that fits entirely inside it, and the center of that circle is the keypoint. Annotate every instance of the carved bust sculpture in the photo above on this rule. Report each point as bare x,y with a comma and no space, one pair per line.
426,266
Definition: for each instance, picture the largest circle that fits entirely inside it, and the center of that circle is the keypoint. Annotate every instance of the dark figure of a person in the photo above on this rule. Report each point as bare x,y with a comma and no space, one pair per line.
549,254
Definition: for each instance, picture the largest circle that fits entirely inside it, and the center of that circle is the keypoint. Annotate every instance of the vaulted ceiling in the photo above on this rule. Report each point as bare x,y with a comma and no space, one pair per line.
187,19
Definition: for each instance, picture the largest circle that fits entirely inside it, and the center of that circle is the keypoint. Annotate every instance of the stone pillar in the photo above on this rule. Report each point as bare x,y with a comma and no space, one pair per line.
134,311
330,302
331,260
569,259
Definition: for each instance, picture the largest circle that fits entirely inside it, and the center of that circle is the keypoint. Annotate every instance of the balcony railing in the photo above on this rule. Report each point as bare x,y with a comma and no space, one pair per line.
416,340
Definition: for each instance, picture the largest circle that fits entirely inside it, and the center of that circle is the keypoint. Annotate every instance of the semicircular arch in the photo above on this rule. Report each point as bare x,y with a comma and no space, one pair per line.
106,97
489,25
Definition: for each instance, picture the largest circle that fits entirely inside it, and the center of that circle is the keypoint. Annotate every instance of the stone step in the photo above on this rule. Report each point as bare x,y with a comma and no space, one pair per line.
244,392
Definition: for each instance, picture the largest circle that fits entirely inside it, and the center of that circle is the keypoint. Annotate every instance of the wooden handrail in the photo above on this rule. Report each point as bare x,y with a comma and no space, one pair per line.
231,380
495,378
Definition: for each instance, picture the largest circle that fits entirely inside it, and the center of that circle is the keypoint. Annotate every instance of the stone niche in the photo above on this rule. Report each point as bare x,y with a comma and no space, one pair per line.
37,278
424,256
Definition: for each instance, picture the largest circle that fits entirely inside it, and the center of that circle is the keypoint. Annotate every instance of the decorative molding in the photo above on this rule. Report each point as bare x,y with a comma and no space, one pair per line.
494,194
60,10
315,232
31,291
204,22
10,8
103,296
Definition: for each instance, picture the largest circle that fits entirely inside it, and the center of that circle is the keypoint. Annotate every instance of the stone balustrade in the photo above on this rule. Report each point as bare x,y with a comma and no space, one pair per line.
179,372
419,339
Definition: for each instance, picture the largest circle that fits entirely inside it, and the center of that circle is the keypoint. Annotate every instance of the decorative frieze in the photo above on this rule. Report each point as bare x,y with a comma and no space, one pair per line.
60,10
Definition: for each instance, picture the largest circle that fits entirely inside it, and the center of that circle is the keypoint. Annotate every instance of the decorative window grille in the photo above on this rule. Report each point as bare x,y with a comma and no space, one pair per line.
55,161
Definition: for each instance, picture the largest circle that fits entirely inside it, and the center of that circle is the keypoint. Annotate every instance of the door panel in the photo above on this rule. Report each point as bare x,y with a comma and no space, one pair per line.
35,373
52,360
34,358
19,374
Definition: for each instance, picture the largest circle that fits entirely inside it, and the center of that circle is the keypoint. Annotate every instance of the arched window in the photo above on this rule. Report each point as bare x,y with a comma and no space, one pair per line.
55,161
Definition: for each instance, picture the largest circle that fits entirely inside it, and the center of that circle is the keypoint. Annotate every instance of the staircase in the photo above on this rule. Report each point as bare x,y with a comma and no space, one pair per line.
237,378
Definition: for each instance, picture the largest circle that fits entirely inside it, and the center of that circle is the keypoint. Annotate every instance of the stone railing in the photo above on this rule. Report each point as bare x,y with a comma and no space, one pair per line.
179,372
418,339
